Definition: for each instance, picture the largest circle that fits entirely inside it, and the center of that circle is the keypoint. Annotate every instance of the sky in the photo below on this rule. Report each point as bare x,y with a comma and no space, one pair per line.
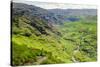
53,5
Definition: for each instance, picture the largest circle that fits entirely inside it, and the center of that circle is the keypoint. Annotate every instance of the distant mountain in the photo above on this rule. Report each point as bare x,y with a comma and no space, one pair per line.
74,12
67,15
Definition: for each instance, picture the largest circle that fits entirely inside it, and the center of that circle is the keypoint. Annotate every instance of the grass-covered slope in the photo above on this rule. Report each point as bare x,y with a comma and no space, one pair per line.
36,41
33,39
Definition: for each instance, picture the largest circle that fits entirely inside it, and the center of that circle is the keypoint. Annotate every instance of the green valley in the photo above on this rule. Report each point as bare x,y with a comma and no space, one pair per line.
35,41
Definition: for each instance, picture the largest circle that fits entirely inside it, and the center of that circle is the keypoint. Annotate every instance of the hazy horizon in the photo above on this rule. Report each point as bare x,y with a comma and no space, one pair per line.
52,5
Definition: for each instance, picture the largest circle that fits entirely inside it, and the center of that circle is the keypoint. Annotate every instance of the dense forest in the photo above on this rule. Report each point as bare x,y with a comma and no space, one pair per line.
41,36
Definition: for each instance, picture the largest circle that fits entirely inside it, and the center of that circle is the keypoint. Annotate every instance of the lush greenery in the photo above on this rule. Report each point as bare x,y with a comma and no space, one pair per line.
34,41
41,36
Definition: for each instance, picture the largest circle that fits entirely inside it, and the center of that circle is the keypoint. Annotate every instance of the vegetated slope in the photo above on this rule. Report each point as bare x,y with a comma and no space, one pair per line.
37,41
30,38
31,10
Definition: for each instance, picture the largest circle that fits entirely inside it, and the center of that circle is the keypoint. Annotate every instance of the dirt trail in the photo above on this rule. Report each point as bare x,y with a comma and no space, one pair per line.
74,52
40,60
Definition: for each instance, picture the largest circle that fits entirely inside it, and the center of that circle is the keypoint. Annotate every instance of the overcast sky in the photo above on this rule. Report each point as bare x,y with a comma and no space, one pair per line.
48,5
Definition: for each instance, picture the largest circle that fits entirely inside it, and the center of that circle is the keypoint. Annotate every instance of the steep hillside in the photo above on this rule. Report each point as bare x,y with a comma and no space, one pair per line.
31,10
38,38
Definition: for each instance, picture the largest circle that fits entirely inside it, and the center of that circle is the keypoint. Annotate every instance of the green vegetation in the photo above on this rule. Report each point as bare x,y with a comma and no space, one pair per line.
36,42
